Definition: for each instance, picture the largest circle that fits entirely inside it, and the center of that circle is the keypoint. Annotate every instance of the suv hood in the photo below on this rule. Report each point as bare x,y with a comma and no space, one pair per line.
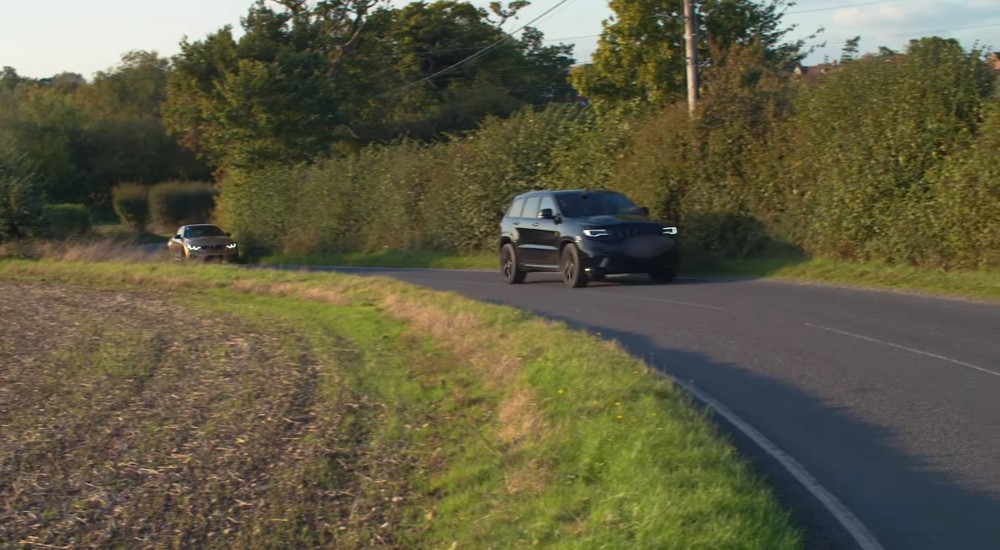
608,220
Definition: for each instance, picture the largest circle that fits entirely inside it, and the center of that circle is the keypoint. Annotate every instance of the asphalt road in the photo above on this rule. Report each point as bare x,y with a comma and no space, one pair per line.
890,401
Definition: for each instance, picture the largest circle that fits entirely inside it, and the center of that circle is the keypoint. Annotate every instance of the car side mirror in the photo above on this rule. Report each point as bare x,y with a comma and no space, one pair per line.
644,211
228,234
178,236
546,214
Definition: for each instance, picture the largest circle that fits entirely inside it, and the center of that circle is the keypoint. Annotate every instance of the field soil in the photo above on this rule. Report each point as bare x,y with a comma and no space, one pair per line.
127,420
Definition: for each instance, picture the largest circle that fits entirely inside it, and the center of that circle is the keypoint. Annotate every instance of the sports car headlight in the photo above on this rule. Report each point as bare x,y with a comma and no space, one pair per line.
231,246
596,232
193,247
669,230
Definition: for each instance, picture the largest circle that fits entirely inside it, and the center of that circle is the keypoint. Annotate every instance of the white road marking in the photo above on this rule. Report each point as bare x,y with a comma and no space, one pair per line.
865,539
904,348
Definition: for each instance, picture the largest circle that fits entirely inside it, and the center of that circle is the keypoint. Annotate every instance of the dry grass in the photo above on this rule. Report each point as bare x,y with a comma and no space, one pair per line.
84,250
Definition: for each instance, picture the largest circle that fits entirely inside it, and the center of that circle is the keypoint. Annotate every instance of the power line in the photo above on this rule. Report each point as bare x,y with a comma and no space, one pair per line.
842,6
918,34
478,54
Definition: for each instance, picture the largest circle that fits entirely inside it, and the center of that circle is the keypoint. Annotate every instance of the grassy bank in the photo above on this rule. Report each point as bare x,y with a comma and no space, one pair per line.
220,407
959,283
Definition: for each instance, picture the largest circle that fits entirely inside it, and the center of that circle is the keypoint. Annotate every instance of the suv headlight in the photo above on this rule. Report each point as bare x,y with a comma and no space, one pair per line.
193,247
596,232
231,246
669,230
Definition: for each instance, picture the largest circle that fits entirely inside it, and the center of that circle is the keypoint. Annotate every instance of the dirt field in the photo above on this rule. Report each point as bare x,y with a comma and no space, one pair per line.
129,421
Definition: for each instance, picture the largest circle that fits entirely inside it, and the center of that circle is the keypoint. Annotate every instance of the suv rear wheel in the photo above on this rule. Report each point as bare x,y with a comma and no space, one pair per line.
572,271
512,274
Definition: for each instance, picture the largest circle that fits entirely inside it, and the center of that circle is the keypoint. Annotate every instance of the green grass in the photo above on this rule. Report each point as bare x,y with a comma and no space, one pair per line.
391,258
957,283
418,419
122,233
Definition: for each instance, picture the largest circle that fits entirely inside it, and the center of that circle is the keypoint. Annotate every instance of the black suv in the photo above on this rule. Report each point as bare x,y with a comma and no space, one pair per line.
584,235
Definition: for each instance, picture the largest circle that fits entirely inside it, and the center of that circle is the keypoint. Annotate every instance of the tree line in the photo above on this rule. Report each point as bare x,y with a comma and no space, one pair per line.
302,82
354,125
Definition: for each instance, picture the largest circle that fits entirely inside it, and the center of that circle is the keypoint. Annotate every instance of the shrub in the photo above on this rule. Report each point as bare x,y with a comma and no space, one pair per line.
21,196
66,220
178,203
131,203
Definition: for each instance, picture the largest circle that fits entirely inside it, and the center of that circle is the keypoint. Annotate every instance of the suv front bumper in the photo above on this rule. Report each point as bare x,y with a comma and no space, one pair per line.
633,256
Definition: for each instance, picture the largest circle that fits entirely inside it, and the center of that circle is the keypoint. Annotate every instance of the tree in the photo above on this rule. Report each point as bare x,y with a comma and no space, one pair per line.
850,51
640,55
270,96
411,74
21,197
125,138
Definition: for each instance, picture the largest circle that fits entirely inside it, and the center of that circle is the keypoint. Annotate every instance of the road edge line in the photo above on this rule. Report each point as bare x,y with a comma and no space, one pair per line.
865,539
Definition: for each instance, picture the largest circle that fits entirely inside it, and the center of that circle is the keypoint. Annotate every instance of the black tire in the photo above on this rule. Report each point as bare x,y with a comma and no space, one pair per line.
663,275
571,268
512,274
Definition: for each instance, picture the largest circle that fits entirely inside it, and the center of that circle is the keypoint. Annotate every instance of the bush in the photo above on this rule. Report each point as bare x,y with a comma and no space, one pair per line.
131,203
66,220
178,203
21,197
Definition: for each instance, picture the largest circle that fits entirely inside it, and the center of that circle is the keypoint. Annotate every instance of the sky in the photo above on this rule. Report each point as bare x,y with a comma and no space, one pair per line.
41,39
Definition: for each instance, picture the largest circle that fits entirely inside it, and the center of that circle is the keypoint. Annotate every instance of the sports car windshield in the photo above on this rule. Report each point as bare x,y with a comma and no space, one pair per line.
595,204
196,231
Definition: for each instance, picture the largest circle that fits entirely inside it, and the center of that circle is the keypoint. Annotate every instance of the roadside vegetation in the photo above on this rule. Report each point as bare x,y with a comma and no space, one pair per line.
230,408
884,157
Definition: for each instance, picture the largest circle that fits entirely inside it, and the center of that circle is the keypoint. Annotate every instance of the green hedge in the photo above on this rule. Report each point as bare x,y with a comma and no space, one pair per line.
131,204
66,220
885,158
178,203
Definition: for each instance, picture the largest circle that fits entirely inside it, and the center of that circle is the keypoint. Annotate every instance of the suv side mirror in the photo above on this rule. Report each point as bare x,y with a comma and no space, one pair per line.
546,214
644,211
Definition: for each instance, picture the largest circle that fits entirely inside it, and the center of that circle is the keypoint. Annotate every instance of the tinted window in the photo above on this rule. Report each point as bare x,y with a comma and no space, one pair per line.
515,209
531,207
598,203
196,231
547,202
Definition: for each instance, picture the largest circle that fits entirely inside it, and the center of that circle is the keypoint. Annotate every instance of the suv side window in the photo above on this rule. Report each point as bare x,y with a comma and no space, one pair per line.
547,202
531,207
515,208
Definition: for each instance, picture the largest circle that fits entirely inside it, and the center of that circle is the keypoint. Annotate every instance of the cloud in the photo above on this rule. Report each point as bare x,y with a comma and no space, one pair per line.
894,24
891,14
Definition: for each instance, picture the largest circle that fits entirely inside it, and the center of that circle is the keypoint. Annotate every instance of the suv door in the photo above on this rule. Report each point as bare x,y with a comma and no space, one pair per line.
547,232
539,237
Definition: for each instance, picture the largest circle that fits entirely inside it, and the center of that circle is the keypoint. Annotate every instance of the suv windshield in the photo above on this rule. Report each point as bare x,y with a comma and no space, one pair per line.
601,203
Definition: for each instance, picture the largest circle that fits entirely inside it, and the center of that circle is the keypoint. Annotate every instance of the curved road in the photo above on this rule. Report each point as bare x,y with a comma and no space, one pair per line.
890,401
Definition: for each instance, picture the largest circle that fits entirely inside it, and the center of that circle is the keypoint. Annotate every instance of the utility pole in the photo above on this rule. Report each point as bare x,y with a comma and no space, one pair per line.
691,48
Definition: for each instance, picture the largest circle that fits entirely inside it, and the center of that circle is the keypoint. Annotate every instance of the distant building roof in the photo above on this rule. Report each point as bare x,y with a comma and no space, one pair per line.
815,71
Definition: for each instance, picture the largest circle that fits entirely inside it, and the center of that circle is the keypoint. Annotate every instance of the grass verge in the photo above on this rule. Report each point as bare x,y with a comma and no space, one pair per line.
391,258
969,284
220,407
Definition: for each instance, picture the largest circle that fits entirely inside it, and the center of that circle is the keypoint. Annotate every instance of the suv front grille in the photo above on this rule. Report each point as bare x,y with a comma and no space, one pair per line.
629,231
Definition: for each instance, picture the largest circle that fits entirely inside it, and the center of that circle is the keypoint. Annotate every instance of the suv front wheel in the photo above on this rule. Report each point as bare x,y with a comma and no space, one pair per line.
572,270
663,275
512,274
